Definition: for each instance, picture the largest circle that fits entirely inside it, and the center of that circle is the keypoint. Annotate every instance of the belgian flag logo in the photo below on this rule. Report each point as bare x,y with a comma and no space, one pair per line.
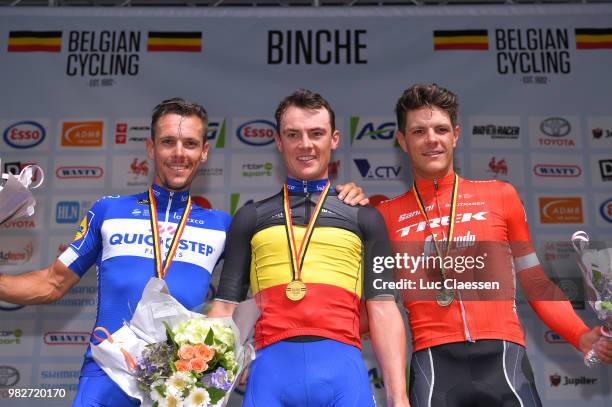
165,41
448,40
593,38
35,41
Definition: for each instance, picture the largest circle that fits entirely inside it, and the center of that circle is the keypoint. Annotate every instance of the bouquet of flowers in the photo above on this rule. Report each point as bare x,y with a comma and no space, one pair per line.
196,366
596,266
170,356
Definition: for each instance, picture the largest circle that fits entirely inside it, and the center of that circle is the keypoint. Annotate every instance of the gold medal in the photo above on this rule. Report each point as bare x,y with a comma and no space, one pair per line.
445,297
295,290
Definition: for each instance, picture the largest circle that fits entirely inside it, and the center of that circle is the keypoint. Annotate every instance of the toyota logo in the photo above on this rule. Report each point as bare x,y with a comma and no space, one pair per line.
9,376
555,127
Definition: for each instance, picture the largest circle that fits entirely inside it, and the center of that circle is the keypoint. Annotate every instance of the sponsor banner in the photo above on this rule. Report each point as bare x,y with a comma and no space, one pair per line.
560,133
64,338
81,134
25,135
558,171
379,170
495,131
600,132
500,166
257,170
215,135
134,172
14,376
79,172
372,132
553,344
211,174
552,248
31,223
603,203
80,299
554,210
60,376
253,132
239,199
208,200
16,337
14,163
601,170
131,133
67,211
21,252
572,381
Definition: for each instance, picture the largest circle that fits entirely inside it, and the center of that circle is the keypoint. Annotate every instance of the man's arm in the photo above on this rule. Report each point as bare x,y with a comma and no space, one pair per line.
38,287
221,309
388,337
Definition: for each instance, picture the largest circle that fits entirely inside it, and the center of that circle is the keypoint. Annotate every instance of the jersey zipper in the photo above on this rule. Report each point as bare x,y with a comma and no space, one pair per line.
306,202
466,329
169,205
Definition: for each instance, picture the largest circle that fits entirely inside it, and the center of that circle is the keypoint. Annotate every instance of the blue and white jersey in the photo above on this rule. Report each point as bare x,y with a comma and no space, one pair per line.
115,235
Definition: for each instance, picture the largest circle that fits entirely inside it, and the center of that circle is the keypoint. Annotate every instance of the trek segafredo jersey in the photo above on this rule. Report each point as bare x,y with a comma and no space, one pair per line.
115,235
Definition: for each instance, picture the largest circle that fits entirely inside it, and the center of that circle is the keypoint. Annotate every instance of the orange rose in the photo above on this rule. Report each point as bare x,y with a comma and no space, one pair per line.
186,352
205,352
198,365
181,365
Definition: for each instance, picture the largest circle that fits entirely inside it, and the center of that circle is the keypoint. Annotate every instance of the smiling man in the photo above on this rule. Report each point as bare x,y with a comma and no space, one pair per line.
302,252
468,348
128,239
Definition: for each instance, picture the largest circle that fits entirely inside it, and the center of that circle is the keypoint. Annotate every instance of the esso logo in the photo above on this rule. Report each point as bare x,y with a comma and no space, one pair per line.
257,132
25,134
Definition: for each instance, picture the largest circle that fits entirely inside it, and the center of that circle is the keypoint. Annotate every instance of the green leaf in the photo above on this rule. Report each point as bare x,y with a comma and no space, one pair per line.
160,389
155,404
215,394
209,338
606,305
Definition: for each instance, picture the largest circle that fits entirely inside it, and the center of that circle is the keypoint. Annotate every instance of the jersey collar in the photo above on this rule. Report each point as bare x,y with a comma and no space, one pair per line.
162,196
306,186
441,184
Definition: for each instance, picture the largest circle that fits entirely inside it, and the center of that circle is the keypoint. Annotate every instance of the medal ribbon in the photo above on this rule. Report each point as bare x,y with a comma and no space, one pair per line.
451,221
297,256
162,268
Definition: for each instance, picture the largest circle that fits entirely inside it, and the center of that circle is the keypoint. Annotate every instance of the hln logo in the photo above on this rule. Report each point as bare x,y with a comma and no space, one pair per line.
67,212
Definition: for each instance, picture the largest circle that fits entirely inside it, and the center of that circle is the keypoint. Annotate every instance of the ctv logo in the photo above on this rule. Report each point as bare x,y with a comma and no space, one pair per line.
377,173
372,131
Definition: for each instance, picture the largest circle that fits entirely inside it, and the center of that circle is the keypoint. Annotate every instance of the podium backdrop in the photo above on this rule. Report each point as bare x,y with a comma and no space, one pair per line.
78,86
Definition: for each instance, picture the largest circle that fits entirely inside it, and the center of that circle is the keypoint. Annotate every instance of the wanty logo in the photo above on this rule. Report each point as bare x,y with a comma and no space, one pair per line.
13,258
555,128
82,134
383,172
24,134
66,338
9,376
553,337
257,132
606,210
561,210
371,130
67,212
605,169
558,171
598,133
498,167
556,380
83,172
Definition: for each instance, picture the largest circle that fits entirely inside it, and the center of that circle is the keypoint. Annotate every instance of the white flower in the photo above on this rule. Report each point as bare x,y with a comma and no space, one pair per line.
170,401
178,383
198,397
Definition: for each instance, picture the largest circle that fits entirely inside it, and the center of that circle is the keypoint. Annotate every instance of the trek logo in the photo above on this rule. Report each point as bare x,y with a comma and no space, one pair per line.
382,172
66,338
24,134
371,129
605,168
67,212
561,210
256,132
558,171
83,172
443,221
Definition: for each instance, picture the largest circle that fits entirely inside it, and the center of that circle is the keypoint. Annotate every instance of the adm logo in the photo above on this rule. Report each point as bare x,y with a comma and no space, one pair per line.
383,172
561,210
84,172
257,132
24,134
552,170
9,376
82,134
66,338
